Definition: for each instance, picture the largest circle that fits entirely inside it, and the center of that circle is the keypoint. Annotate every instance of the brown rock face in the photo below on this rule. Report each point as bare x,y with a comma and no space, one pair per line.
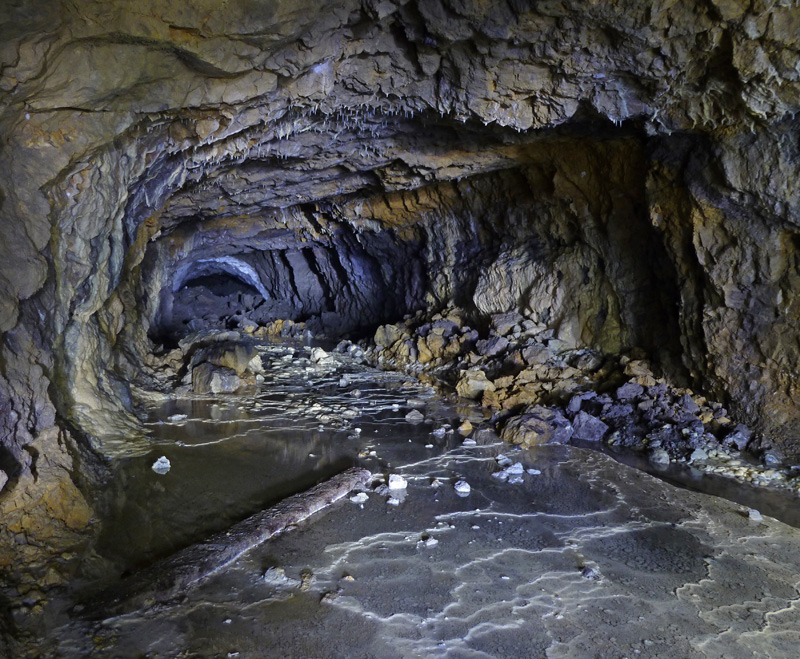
620,173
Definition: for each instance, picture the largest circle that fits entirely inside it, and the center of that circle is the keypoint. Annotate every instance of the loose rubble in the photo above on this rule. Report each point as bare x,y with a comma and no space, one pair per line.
538,391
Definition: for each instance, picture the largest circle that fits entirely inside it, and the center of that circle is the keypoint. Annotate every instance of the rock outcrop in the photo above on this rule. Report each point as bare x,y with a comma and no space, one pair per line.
620,174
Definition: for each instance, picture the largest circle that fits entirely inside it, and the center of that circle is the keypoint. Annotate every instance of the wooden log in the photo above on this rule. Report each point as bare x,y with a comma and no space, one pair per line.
172,577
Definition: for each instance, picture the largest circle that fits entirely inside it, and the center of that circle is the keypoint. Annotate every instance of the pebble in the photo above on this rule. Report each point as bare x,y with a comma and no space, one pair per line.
397,482
469,442
276,575
754,515
162,465
392,501
589,572
360,498
462,487
503,460
515,468
440,432
415,416
428,445
534,472
698,454
177,417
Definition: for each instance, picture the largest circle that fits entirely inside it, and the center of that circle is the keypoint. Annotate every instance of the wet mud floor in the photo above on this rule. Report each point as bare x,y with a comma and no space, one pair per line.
576,556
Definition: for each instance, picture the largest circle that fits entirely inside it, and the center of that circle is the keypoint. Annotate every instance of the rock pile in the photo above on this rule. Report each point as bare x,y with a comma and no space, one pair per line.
537,391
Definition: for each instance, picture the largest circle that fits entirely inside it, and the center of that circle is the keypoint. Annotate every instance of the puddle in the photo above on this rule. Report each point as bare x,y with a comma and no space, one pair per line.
581,556
233,456
780,504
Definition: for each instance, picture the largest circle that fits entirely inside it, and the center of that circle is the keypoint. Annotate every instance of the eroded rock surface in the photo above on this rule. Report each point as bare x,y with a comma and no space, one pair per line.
619,174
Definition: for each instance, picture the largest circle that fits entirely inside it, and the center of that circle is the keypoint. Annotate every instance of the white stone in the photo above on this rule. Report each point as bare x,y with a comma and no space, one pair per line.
754,515
462,487
397,482
175,418
516,468
469,442
534,472
503,460
361,497
162,465
318,355
393,501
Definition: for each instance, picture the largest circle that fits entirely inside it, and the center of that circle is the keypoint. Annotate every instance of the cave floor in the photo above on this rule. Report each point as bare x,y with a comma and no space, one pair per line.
583,557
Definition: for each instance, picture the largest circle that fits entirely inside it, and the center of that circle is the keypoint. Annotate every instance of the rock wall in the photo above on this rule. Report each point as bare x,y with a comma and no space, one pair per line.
621,171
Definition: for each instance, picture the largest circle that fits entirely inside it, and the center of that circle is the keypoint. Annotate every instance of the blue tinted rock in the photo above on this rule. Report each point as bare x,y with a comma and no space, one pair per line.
629,390
739,438
588,428
492,346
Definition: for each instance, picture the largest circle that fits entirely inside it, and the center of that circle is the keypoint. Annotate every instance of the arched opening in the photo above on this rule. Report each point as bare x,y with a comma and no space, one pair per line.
213,293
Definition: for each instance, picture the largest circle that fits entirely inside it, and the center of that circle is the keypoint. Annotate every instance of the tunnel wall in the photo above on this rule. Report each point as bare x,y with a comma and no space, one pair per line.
124,128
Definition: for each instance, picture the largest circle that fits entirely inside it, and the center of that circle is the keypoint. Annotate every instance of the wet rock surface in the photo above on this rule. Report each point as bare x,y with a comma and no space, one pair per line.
599,201
485,549
538,391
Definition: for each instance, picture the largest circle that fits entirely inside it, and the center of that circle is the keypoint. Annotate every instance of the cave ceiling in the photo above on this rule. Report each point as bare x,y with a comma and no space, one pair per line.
141,137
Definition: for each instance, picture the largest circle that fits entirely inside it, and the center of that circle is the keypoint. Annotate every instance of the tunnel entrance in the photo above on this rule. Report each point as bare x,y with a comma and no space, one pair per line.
210,301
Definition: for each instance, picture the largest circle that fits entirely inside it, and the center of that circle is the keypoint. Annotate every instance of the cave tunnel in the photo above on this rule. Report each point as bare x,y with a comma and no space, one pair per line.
492,196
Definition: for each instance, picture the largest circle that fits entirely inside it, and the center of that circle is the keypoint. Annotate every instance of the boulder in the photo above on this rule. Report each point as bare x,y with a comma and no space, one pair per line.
234,356
211,379
492,346
387,335
738,438
588,427
503,323
536,426
473,383
629,391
